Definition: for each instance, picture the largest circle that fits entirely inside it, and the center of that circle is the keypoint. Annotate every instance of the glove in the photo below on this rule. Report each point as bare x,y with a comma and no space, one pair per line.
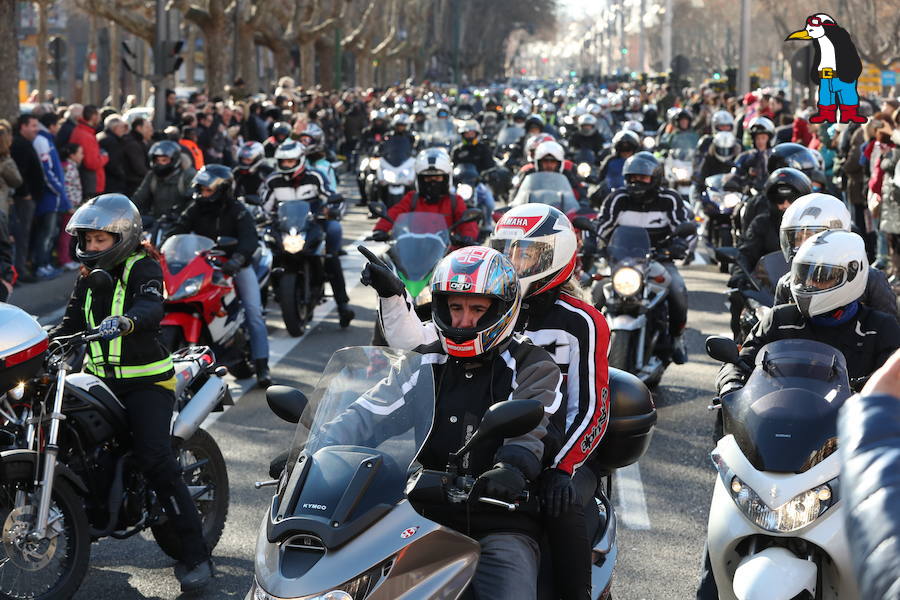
730,386
233,265
380,236
112,327
557,492
503,482
678,247
379,276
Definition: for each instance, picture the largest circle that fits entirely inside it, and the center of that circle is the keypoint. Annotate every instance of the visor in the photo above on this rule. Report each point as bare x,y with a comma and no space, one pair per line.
792,237
815,278
528,257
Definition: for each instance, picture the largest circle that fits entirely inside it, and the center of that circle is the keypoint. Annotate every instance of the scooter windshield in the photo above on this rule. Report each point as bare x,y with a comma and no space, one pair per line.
547,187
627,242
181,249
770,269
716,182
510,134
367,419
420,242
784,418
292,216
396,150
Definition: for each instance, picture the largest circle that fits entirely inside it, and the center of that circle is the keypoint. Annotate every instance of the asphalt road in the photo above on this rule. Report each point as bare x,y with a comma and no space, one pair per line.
662,503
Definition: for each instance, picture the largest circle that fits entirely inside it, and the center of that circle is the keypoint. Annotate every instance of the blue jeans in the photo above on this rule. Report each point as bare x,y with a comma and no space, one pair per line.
508,568
333,234
834,91
43,238
248,290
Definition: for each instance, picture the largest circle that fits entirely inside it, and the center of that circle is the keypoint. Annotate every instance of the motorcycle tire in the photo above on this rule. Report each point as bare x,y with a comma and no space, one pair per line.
20,475
172,337
294,310
622,348
200,446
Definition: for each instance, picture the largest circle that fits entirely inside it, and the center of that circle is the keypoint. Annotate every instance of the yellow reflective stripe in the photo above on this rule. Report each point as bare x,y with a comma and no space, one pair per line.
118,308
95,351
156,368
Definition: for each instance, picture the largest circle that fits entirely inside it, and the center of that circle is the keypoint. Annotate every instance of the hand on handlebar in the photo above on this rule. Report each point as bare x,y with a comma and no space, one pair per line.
112,327
503,482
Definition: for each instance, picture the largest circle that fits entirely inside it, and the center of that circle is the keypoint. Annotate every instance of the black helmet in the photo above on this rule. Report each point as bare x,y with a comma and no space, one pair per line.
681,114
219,179
786,183
534,121
642,163
165,148
281,131
114,214
793,155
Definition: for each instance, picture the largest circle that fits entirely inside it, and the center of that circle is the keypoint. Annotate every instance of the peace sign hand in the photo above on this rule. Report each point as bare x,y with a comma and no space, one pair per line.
378,275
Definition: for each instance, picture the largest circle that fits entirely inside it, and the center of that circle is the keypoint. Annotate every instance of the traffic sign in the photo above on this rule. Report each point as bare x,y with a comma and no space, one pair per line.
888,78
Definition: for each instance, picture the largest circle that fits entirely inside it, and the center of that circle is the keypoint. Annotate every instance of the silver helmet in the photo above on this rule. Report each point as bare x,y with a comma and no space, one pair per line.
114,214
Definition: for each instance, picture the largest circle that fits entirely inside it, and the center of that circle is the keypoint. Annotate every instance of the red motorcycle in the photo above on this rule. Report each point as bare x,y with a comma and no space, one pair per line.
202,306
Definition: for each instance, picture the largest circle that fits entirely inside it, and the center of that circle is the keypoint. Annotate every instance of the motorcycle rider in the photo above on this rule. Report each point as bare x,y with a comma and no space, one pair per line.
587,135
374,134
292,180
550,156
478,360
750,169
625,143
166,188
643,202
721,120
717,158
313,138
214,212
682,134
280,132
400,128
471,149
812,214
250,171
432,194
790,154
130,360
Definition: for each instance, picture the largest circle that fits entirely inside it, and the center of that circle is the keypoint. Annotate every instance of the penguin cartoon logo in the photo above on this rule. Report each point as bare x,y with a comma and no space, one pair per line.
836,67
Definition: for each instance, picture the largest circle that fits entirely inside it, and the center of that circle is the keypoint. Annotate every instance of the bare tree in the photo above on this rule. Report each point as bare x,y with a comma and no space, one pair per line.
9,61
875,29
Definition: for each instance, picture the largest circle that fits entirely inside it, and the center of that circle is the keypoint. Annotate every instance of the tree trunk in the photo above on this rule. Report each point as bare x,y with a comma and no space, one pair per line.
43,44
214,44
115,81
365,72
9,61
282,57
190,54
90,83
247,67
308,63
325,50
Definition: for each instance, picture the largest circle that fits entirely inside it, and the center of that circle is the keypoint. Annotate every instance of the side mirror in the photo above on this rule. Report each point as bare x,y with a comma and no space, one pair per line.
286,402
471,215
507,419
583,223
253,199
722,349
727,254
225,241
100,282
685,229
379,210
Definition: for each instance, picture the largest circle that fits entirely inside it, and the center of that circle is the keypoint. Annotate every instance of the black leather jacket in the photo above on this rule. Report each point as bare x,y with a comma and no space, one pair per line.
869,438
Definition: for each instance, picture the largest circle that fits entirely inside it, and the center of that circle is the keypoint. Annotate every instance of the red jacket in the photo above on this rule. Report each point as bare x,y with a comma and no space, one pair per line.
445,207
85,136
801,132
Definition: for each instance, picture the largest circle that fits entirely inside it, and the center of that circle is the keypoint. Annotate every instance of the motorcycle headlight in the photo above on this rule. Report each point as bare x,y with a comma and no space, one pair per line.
391,176
261,594
680,173
649,143
796,513
374,163
293,242
465,191
584,170
627,281
731,200
364,164
188,288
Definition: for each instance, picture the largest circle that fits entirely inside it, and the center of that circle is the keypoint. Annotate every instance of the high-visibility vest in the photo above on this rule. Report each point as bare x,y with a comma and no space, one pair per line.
109,365
196,153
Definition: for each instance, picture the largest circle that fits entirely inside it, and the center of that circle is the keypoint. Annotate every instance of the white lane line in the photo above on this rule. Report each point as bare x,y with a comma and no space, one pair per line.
281,342
632,505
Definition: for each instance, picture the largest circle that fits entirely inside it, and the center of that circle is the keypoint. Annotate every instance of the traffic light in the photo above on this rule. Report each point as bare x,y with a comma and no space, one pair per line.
717,76
624,50
171,55
57,49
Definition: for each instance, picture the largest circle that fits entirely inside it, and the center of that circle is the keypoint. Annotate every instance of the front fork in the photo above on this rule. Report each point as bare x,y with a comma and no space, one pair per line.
51,451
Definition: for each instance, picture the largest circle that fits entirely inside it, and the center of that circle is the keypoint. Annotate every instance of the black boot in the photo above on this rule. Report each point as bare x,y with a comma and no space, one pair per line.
263,377
346,315
194,579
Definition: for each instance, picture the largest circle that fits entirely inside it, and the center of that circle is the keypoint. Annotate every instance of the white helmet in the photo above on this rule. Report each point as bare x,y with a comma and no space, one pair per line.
433,161
721,118
829,271
635,126
549,149
725,146
290,150
540,243
587,120
762,125
809,215
577,110
595,109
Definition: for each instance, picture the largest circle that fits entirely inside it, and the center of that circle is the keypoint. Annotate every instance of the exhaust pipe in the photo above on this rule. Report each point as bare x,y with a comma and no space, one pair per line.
204,401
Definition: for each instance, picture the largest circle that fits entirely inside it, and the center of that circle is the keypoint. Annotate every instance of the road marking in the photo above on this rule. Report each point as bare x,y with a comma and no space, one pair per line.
632,505
281,342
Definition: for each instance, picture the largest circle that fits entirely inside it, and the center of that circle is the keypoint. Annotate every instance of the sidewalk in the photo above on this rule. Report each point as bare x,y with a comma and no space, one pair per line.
45,299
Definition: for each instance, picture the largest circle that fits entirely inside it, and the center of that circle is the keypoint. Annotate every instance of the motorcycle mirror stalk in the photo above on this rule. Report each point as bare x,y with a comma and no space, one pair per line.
379,210
469,216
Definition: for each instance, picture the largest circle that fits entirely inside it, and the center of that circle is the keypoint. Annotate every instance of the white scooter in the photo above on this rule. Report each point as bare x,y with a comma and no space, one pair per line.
776,523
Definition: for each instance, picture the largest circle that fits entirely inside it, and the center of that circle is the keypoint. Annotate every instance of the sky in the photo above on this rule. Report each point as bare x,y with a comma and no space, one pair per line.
581,6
